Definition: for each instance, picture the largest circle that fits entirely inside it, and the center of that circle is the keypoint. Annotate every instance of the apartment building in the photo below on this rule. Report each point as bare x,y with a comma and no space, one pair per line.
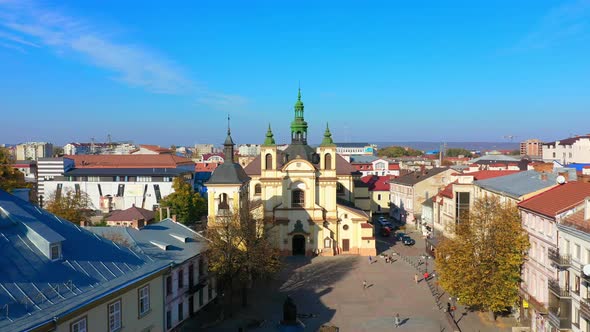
64,278
546,301
349,149
570,150
379,193
118,182
532,148
33,150
187,285
371,165
47,170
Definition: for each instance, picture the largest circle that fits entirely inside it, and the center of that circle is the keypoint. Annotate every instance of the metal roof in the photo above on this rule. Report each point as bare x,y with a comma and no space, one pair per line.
351,145
518,184
362,159
126,172
181,242
494,158
228,173
36,290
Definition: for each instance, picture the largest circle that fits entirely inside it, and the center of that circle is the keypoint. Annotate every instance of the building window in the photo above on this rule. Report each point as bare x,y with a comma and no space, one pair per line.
144,300
144,179
201,266
339,188
168,285
328,161
268,161
191,275
297,198
158,193
209,291
223,204
345,227
180,279
55,252
257,189
378,197
327,243
180,312
115,316
79,325
200,297
578,251
168,319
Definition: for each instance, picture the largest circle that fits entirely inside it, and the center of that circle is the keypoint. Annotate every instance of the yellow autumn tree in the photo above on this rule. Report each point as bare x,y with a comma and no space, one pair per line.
70,205
481,265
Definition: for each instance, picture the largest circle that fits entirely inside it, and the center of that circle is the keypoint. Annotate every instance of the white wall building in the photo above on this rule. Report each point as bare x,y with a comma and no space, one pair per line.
347,149
249,149
569,150
47,170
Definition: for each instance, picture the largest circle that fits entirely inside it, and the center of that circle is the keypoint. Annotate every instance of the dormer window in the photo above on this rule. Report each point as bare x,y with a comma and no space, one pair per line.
55,251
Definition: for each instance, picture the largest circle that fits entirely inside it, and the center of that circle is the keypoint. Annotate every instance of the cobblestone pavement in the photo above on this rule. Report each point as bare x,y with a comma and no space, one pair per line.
329,290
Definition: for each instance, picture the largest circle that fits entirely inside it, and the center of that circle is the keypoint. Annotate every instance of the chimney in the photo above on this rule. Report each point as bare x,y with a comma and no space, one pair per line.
566,175
140,223
543,176
587,209
174,217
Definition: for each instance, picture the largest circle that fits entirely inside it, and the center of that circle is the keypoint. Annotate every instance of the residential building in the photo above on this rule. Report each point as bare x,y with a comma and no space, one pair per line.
151,149
249,150
379,192
307,195
532,148
187,285
33,150
570,150
371,165
76,148
132,217
545,283
217,157
201,149
59,277
349,149
118,182
416,164
498,161
408,192
573,261
28,168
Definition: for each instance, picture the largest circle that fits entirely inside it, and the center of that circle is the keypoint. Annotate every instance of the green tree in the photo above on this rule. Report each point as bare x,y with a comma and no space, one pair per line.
481,265
70,205
58,151
240,251
10,177
398,151
456,152
188,206
515,153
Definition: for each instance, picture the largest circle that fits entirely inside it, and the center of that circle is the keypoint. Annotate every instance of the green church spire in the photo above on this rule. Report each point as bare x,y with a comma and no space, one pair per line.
299,126
270,140
327,141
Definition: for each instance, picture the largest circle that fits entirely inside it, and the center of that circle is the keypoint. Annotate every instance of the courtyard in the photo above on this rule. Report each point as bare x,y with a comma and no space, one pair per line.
329,291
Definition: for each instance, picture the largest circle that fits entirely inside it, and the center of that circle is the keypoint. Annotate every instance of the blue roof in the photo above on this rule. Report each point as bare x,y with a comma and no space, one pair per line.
37,289
518,184
362,159
578,166
181,242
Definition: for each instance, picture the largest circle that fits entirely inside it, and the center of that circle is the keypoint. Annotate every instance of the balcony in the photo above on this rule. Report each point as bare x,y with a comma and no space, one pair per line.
557,320
585,308
560,261
557,290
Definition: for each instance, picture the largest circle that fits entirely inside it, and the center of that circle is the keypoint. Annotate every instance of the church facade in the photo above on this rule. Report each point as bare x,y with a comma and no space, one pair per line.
307,197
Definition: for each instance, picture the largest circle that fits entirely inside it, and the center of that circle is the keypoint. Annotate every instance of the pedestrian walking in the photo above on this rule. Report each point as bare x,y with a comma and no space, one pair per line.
370,259
364,284
416,277
397,320
448,307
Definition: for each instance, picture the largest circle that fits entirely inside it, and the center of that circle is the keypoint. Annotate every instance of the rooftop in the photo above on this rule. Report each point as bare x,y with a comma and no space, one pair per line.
38,290
176,242
377,183
557,200
129,161
493,158
416,177
568,141
351,145
362,159
132,213
518,184
343,167
487,174
125,172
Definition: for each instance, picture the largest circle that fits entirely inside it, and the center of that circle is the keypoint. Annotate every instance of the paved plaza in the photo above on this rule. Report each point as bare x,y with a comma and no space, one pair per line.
329,290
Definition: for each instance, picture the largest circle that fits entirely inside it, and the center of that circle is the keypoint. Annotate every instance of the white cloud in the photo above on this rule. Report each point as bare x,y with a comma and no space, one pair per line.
27,25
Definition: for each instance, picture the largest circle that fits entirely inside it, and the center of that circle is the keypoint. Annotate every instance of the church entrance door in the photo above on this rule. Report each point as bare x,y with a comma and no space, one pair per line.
298,245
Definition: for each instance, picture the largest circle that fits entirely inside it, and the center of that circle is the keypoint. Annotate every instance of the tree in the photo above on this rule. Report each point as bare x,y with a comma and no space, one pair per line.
240,251
58,151
398,151
187,205
515,153
70,205
10,177
481,265
456,152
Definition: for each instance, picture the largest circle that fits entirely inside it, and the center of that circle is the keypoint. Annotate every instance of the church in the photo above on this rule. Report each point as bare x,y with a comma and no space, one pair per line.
311,199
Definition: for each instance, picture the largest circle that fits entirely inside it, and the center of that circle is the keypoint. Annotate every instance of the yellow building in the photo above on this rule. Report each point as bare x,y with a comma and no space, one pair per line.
307,195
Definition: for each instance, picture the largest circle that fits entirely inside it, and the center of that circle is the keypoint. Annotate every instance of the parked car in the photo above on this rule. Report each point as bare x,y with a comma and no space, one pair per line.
408,241
385,224
385,231
399,236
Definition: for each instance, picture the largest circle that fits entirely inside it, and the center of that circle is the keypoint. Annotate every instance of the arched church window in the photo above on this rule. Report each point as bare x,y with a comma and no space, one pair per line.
328,161
257,189
297,198
223,202
268,161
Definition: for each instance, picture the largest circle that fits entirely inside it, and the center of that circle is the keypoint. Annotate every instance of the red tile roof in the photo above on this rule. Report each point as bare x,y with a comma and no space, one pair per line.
206,156
205,167
447,191
366,225
393,167
155,148
377,183
558,199
129,161
132,213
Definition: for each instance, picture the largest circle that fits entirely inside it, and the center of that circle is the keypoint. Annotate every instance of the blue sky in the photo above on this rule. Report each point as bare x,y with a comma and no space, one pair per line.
170,72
